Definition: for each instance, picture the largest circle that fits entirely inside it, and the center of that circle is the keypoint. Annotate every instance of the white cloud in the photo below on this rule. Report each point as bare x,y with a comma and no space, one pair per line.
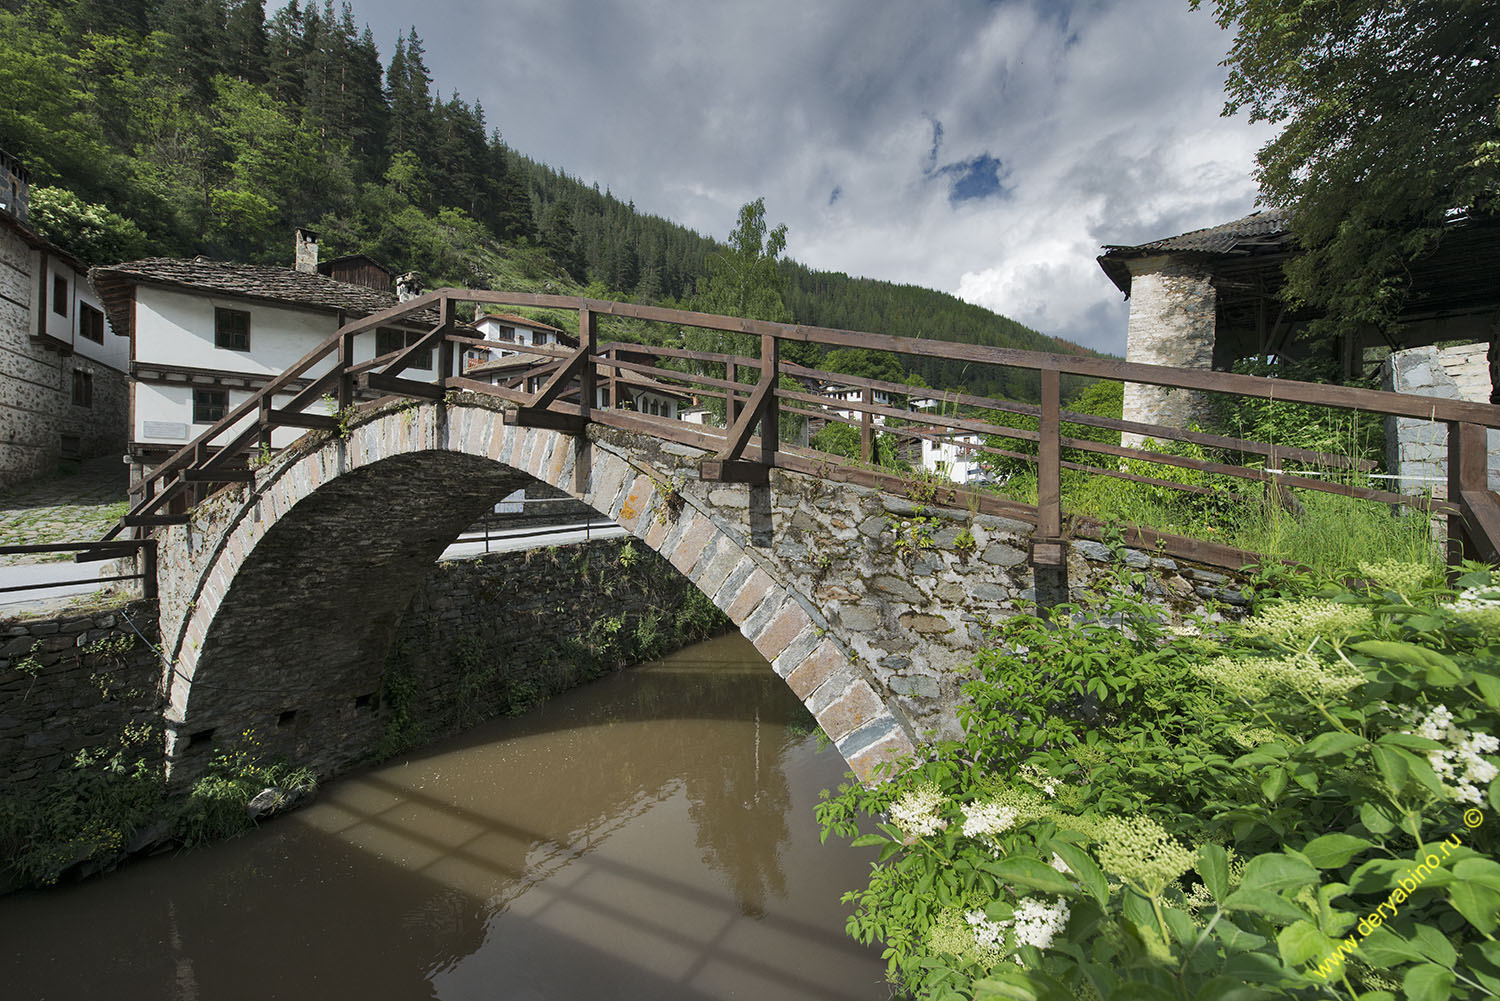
1103,115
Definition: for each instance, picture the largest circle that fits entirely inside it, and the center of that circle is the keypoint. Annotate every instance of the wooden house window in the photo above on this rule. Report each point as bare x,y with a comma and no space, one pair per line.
59,295
83,388
388,339
90,323
231,329
210,405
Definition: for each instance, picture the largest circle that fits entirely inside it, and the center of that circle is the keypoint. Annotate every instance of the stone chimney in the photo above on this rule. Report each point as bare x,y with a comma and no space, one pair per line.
15,186
305,258
408,286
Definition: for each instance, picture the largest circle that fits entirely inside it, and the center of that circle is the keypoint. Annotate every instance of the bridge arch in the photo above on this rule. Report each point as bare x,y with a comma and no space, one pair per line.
305,573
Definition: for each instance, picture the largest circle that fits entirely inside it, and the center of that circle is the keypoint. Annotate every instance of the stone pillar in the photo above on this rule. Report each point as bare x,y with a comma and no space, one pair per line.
1172,314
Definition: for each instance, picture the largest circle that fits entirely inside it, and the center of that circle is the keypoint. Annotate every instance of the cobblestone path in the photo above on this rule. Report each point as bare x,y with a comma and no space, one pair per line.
72,507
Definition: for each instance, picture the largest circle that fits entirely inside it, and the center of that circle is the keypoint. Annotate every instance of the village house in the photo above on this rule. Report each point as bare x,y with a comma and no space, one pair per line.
204,335
63,367
1208,298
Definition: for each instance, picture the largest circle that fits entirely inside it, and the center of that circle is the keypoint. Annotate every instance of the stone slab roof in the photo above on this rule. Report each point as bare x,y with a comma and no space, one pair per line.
1267,230
116,287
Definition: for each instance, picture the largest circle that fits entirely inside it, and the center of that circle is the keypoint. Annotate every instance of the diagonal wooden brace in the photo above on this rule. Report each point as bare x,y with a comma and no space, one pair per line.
554,386
739,434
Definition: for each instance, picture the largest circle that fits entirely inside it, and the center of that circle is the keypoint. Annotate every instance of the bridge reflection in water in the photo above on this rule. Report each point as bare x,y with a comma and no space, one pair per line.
648,836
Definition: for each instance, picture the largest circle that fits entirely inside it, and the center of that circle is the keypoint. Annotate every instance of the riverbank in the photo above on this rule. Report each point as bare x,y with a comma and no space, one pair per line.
82,719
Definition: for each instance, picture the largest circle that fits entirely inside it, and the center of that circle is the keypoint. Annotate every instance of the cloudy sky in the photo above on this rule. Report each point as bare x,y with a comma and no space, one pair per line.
983,148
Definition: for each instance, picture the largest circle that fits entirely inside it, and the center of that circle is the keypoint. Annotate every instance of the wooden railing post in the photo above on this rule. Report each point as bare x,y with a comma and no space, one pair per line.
867,428
264,419
147,567
1049,460
346,378
587,329
770,415
1468,472
731,404
445,349
614,380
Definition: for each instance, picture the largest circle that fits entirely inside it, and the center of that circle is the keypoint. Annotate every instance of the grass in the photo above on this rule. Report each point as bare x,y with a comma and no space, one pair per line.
1331,534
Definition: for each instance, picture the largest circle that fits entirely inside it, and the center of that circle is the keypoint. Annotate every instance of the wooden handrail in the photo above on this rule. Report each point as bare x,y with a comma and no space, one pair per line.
572,375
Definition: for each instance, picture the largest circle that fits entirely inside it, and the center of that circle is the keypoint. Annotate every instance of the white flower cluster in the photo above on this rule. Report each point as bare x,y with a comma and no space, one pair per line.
988,935
916,811
1058,864
1038,923
1476,598
1479,608
1461,766
984,819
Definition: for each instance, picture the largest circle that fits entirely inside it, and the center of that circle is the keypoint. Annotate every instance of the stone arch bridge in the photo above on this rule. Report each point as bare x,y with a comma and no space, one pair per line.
286,593
281,592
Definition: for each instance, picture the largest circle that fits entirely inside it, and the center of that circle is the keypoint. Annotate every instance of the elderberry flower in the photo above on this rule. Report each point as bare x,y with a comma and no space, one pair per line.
987,818
987,934
1461,766
916,811
1058,863
1038,923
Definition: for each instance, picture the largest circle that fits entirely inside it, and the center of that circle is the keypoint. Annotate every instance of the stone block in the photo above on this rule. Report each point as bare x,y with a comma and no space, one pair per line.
857,706
815,669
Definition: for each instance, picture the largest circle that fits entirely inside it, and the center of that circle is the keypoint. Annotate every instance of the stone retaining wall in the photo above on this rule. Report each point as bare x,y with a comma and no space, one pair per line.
72,683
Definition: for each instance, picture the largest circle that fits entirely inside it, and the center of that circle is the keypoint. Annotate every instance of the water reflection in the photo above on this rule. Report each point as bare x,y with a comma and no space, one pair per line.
649,836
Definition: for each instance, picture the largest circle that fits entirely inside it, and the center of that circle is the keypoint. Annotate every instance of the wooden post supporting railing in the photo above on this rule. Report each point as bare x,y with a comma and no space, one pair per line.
867,428
445,349
770,415
1046,545
1471,531
587,329
346,377
731,401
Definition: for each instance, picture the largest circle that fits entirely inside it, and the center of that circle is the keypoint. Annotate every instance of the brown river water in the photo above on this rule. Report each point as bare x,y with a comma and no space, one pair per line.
649,836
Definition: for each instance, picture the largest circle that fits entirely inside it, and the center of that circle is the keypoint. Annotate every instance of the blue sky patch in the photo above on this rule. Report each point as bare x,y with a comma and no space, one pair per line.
979,177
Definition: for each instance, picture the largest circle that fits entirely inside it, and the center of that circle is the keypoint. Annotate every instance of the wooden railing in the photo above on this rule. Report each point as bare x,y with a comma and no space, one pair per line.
562,391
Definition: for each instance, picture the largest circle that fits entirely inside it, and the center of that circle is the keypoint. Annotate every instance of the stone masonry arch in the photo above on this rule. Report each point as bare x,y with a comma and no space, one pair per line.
869,605
310,568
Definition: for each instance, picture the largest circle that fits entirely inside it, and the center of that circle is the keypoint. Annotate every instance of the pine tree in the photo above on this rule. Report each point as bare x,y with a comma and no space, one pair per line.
245,41
286,55
409,87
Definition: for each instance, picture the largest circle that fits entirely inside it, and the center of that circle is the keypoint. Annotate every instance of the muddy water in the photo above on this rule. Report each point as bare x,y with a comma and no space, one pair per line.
647,836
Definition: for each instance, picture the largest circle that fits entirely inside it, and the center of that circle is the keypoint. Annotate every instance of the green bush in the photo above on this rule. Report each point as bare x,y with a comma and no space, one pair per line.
1292,807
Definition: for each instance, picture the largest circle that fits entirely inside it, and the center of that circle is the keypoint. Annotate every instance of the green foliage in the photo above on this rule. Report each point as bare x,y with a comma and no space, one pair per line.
215,808
844,439
1387,111
86,815
1345,433
743,279
91,232
1298,806
399,692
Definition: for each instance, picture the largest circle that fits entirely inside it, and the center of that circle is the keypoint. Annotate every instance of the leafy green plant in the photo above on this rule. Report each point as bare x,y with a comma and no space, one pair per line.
1292,807
215,808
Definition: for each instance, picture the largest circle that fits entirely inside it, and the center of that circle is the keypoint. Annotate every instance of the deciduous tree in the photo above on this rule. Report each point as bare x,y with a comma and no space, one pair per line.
1387,109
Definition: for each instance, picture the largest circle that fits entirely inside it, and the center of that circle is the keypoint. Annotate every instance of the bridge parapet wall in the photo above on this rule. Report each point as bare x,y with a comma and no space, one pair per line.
870,606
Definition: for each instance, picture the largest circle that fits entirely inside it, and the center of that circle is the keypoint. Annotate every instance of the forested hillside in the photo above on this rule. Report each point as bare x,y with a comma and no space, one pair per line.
183,127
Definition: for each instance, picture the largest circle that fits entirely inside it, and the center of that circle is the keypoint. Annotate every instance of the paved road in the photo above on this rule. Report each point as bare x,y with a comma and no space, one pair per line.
466,546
